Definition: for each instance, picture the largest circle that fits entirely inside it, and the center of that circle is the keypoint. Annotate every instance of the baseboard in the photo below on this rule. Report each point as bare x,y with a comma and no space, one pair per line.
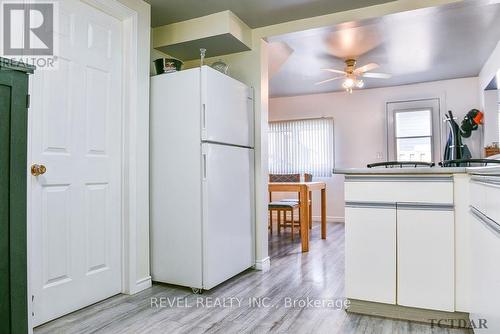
329,219
433,317
264,264
143,284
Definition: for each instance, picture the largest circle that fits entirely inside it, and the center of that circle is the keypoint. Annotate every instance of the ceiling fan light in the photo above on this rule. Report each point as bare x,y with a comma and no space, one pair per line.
360,84
348,83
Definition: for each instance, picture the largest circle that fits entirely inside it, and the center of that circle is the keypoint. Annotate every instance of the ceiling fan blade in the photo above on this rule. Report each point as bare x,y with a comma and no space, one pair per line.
377,75
334,70
328,80
366,68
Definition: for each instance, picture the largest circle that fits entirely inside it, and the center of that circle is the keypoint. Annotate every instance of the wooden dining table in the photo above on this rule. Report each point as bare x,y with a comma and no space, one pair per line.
304,189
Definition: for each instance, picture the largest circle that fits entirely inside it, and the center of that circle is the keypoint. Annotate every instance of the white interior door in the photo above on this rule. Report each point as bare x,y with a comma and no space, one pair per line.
75,131
227,109
227,212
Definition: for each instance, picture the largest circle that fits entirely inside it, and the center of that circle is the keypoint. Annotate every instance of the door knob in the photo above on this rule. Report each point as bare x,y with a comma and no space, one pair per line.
38,169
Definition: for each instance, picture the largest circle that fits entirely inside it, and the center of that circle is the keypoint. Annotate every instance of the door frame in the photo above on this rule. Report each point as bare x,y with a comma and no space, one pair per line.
135,18
391,108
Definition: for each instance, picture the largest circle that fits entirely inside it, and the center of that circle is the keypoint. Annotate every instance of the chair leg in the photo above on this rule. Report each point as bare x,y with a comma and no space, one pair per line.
293,224
279,221
271,221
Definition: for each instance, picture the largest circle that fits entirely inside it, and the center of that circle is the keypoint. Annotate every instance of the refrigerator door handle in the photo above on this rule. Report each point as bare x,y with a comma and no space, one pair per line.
204,116
204,157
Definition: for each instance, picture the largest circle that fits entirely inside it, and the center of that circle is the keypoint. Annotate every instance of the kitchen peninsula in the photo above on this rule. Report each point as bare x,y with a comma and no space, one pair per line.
409,240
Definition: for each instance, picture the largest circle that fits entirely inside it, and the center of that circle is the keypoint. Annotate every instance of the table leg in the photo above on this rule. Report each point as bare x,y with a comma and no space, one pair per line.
310,210
323,213
304,218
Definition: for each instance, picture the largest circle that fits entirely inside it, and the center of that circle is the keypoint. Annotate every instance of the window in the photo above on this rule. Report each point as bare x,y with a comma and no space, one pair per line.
413,131
302,146
413,135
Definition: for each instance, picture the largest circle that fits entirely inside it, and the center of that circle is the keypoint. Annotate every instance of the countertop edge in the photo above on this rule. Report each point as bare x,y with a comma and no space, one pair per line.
400,171
489,171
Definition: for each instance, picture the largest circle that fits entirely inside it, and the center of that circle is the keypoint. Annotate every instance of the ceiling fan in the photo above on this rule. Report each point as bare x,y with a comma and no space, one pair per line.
351,75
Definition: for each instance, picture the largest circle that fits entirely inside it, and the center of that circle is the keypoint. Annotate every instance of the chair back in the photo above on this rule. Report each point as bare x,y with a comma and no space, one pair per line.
289,177
284,177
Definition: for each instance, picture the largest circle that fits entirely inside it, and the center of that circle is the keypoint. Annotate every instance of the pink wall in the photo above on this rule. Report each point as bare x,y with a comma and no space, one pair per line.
360,123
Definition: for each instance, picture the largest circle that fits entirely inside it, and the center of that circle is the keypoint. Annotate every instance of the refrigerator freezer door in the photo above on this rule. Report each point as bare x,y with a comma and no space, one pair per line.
227,109
228,221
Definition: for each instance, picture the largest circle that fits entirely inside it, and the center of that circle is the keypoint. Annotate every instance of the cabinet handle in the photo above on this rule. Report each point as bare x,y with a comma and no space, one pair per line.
485,220
425,206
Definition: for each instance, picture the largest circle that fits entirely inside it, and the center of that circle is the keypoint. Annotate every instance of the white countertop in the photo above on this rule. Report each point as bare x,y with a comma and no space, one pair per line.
488,170
407,170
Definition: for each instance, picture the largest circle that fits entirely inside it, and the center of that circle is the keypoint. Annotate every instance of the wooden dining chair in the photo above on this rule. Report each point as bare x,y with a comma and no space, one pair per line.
284,207
307,178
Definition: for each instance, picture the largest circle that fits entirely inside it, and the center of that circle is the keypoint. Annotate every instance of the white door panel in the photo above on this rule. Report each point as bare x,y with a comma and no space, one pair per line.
485,274
228,196
426,248
76,133
227,109
371,254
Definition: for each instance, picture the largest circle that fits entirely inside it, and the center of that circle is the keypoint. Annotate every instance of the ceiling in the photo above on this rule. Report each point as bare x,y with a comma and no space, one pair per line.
255,13
429,44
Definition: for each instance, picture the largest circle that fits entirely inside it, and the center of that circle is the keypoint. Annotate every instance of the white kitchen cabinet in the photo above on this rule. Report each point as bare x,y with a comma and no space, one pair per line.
485,273
371,252
400,240
425,257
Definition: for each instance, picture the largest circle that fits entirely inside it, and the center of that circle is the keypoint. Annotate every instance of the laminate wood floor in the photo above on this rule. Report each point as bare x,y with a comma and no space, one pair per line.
294,277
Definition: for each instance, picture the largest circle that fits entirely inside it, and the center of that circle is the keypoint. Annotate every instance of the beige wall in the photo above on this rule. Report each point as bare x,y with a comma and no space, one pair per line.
360,120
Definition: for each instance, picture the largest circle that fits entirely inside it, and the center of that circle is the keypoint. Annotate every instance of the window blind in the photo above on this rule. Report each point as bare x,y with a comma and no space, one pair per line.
302,146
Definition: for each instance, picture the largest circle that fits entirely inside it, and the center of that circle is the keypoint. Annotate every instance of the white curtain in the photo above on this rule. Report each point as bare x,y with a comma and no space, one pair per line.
302,146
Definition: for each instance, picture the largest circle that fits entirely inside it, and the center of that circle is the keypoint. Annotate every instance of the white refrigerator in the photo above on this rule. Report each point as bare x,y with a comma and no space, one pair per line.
201,178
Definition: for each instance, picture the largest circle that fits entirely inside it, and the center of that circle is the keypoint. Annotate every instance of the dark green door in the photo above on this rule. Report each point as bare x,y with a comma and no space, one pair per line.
13,168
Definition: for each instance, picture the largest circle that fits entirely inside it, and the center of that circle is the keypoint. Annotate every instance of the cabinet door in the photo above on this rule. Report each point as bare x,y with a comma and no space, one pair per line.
426,265
485,271
371,253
